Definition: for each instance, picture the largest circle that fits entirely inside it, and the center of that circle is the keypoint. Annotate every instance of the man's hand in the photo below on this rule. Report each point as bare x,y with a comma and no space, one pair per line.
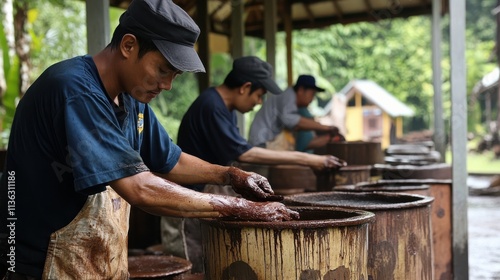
322,163
333,162
268,211
247,210
335,135
251,185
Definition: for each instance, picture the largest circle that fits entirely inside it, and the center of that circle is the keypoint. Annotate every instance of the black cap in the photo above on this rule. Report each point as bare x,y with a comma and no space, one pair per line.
255,69
308,81
170,28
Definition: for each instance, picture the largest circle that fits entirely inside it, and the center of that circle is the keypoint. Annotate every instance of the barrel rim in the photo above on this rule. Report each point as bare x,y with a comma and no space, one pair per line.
381,188
364,217
429,181
356,167
422,201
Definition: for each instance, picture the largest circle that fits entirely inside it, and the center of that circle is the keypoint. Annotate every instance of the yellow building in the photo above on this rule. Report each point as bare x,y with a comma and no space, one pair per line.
367,112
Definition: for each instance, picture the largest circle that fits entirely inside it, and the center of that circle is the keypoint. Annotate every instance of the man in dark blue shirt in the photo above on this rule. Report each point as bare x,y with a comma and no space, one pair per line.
85,145
209,128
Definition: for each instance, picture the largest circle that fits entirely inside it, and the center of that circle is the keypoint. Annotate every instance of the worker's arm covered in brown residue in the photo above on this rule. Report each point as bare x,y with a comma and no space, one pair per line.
161,196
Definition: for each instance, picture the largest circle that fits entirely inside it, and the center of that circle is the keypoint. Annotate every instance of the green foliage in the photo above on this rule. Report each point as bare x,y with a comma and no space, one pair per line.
220,65
171,105
12,93
480,20
55,40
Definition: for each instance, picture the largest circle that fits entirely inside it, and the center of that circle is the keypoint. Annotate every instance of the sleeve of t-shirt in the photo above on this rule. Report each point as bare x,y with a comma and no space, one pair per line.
225,138
158,150
98,150
288,112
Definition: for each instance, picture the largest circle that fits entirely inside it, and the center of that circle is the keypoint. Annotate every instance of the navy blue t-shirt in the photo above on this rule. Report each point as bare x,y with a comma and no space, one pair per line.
69,140
210,131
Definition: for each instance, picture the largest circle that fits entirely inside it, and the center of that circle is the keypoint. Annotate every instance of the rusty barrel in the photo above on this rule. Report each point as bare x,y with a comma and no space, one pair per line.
399,186
356,152
291,179
441,220
325,243
438,177
347,175
400,238
441,171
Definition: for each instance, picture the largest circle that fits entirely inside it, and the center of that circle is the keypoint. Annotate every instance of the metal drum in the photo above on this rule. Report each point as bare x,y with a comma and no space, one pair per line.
291,179
356,152
326,243
400,238
347,175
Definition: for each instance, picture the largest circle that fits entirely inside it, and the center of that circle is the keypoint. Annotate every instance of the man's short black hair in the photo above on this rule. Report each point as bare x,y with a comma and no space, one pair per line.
234,81
145,45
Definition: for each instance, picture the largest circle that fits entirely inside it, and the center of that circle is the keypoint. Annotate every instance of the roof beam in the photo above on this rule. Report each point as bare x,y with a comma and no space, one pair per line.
338,9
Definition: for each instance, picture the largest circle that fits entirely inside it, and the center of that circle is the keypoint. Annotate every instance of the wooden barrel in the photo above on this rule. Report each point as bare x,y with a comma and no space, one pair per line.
408,149
441,210
441,171
400,244
347,175
388,186
326,243
412,154
441,220
357,152
157,267
291,179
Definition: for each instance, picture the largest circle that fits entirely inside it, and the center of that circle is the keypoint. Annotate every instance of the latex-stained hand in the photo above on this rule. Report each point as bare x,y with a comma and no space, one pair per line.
251,185
325,163
335,135
243,209
333,162
268,211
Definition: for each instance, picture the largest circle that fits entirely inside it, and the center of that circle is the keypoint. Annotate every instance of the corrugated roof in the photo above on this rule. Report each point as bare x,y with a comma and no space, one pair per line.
379,97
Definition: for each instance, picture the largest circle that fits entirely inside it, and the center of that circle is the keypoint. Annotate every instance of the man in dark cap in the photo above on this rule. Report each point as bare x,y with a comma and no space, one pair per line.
279,117
85,145
209,131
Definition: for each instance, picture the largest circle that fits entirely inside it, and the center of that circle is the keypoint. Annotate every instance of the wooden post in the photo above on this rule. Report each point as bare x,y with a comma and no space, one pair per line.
498,61
203,44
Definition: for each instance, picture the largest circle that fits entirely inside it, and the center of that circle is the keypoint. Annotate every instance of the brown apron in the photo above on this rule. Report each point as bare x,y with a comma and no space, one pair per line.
94,244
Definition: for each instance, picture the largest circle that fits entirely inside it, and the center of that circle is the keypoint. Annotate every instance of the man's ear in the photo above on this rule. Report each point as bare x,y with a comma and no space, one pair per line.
128,45
245,87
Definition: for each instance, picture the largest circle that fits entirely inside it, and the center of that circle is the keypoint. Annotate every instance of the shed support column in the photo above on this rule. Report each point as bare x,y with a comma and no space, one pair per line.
439,127
97,17
270,29
203,44
237,40
288,29
459,139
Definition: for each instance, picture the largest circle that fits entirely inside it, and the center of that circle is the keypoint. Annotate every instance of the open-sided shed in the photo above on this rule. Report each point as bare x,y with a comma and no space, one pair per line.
271,16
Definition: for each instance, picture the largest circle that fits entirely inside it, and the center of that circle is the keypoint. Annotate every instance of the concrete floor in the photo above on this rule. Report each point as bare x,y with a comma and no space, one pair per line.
484,235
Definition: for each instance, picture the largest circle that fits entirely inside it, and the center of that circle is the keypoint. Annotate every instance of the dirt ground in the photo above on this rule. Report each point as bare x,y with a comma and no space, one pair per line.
484,237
